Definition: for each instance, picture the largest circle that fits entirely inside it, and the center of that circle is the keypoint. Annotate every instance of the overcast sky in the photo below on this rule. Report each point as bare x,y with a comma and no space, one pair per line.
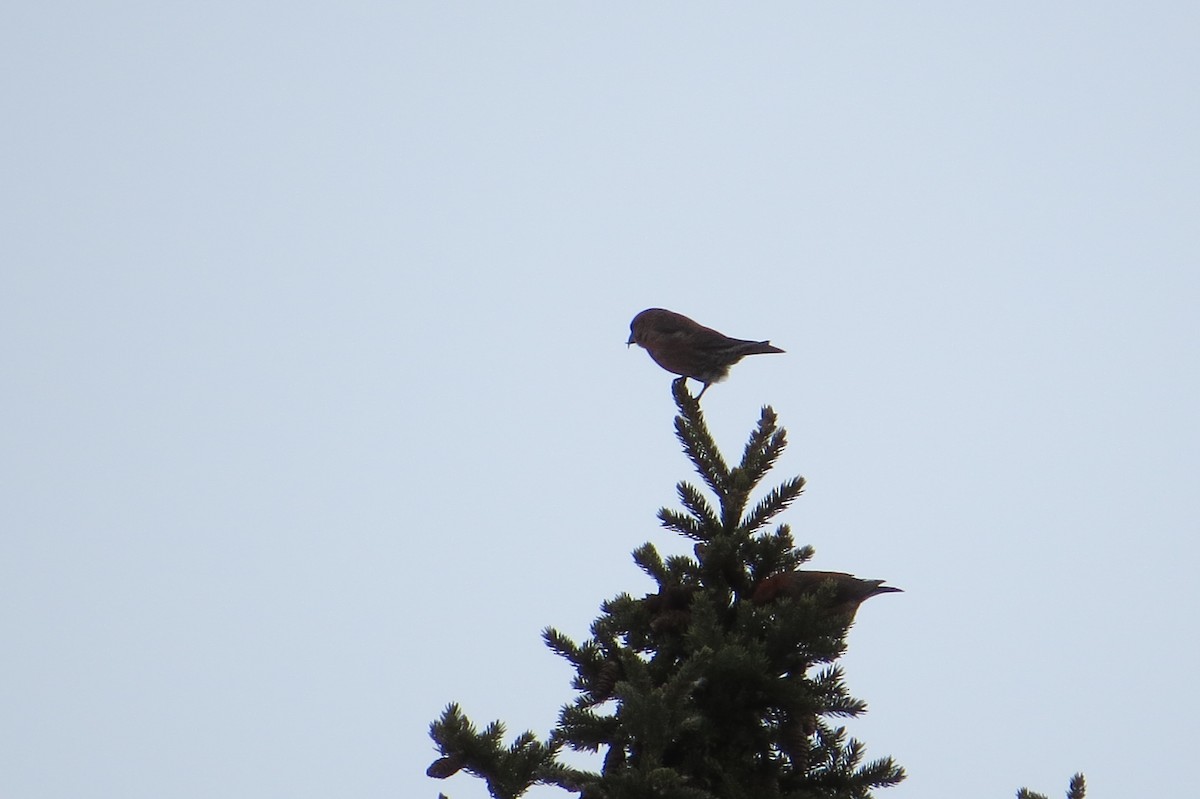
318,407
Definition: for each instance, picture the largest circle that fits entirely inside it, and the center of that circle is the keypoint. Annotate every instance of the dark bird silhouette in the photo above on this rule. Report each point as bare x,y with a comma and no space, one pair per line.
848,591
688,348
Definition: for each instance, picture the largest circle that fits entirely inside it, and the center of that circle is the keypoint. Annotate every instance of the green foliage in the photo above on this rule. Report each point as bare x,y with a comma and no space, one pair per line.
509,771
697,691
1075,790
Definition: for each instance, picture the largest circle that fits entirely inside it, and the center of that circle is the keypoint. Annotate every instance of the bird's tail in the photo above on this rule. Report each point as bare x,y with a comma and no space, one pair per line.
757,347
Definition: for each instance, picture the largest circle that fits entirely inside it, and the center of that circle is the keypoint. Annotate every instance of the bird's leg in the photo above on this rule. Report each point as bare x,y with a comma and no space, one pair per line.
701,394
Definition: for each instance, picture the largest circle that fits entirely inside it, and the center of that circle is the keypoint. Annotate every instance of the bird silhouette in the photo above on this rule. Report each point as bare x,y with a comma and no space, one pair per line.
685,347
848,591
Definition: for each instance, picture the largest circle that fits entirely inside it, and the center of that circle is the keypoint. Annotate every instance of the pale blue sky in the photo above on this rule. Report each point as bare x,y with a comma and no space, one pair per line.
312,324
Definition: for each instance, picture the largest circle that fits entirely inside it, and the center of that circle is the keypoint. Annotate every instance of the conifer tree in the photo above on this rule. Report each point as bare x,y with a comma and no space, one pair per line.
724,682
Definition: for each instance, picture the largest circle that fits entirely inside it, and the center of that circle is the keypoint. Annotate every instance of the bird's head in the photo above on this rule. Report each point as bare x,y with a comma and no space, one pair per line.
644,327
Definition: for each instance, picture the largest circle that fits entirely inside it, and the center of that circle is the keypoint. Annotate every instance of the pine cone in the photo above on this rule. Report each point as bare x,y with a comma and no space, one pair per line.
606,680
793,738
445,767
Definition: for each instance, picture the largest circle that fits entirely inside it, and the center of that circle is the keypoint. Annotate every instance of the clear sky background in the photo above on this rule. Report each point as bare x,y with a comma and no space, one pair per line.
317,405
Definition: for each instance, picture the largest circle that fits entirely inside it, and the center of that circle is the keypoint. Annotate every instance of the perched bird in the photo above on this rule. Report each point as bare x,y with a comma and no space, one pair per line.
688,348
848,591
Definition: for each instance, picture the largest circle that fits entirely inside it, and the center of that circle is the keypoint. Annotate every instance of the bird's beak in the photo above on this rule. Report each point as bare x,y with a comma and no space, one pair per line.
630,342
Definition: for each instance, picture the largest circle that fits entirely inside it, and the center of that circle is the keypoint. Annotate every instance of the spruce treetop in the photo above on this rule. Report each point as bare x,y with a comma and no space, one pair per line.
723,683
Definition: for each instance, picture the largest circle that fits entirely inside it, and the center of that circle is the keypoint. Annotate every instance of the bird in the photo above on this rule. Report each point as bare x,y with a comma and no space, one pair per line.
688,348
848,591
